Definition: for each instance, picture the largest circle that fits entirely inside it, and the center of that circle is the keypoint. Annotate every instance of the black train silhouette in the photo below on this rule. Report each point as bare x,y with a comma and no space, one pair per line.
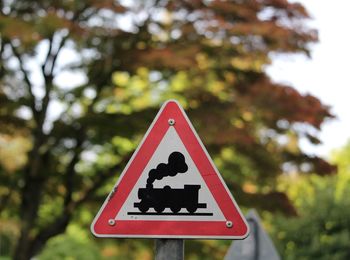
166,197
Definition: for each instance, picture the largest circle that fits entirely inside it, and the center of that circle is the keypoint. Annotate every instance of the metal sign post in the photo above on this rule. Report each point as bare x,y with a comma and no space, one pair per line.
169,249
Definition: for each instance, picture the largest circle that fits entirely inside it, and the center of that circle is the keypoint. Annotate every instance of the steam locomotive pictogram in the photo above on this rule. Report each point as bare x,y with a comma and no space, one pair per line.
173,198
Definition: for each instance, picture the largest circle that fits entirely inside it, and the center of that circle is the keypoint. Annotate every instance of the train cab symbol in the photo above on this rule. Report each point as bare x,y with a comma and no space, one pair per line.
173,198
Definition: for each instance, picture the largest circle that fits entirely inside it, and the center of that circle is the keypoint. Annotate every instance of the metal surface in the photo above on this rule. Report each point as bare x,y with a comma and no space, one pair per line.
171,121
111,222
229,224
257,246
169,249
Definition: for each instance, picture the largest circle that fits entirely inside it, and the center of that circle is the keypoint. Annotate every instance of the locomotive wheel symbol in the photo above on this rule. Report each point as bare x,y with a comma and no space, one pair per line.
175,209
192,209
143,207
159,208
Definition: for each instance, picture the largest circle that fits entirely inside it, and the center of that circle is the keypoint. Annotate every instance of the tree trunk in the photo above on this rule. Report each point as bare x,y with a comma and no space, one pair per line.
23,247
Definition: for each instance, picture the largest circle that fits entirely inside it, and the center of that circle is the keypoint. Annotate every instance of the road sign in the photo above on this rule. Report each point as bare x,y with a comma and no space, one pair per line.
257,246
170,188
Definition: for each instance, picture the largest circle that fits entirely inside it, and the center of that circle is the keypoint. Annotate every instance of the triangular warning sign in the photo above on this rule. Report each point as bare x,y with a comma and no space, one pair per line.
170,188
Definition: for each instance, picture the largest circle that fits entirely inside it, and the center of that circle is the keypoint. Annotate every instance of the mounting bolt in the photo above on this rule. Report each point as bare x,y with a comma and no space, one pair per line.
111,222
171,121
229,224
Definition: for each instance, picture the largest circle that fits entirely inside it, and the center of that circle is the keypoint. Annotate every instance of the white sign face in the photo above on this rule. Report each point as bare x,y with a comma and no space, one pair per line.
208,208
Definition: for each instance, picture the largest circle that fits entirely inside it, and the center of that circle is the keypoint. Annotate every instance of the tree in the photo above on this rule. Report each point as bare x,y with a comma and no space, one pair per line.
321,230
129,58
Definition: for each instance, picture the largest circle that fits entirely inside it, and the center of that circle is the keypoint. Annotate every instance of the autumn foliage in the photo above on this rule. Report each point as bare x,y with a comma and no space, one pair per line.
130,57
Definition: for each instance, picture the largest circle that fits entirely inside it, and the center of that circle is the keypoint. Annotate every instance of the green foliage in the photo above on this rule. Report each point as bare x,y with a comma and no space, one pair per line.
342,159
75,244
63,247
322,229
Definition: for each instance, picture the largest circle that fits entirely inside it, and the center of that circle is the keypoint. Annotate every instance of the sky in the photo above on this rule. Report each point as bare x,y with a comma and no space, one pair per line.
326,74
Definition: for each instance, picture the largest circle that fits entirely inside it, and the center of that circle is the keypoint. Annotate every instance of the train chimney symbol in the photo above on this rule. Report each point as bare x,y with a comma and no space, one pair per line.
167,197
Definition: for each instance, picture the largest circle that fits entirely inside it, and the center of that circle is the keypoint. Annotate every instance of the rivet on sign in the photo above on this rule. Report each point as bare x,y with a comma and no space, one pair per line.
229,224
111,222
171,121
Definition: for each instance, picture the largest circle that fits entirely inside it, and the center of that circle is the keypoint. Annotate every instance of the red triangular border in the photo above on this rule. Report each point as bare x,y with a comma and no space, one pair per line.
169,228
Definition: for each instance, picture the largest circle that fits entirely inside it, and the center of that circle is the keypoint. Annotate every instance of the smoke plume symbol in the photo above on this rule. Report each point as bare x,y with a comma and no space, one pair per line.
176,164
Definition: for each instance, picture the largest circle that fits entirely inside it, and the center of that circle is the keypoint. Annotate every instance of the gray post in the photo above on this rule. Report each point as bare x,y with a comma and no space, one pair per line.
169,249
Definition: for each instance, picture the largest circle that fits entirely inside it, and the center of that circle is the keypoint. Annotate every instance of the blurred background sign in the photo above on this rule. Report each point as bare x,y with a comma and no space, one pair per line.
257,246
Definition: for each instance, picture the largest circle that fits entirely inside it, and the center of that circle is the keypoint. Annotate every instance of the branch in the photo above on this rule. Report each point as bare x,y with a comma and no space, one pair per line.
2,65
60,224
46,99
100,180
27,81
48,55
51,58
58,227
4,200
70,172
98,183
54,58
